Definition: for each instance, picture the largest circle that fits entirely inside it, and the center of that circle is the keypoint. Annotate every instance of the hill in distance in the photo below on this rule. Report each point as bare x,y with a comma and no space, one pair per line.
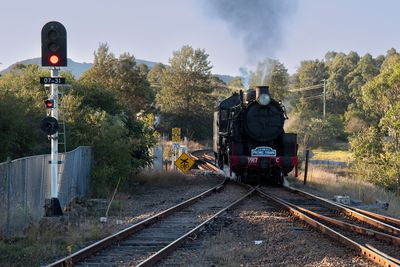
77,68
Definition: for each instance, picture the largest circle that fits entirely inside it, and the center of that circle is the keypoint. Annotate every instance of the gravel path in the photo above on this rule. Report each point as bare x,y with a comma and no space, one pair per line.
256,234
145,199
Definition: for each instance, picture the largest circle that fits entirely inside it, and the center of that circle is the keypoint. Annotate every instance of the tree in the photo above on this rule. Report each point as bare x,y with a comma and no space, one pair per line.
21,110
104,105
339,92
127,81
310,72
131,83
185,96
366,69
274,74
154,76
377,147
236,84
102,71
220,89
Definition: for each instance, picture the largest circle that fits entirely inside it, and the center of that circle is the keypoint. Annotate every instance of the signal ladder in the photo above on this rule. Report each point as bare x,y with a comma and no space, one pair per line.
62,139
61,135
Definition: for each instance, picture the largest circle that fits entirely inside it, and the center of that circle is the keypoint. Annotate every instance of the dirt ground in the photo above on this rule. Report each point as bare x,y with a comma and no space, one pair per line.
57,237
253,234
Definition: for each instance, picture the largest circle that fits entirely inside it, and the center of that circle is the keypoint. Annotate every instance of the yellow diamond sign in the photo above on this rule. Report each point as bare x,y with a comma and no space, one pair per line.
184,162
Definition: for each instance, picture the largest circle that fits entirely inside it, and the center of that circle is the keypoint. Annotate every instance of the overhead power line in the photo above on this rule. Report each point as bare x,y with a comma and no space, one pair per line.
313,87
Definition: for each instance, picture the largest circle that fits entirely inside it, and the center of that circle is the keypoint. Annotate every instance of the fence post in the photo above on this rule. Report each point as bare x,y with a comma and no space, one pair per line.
8,172
25,172
306,166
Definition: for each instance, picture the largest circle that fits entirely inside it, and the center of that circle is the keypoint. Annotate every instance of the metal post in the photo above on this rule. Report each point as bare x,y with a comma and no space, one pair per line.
52,206
324,112
54,138
9,169
306,166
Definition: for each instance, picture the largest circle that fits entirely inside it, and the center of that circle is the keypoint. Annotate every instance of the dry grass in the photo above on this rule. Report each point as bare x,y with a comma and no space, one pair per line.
334,181
335,155
42,242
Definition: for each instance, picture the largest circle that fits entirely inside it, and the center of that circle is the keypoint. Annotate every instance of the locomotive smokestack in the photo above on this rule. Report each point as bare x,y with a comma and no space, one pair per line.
262,89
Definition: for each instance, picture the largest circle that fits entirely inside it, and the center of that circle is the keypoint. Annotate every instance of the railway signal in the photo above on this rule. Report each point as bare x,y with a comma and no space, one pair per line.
54,45
49,103
54,55
49,125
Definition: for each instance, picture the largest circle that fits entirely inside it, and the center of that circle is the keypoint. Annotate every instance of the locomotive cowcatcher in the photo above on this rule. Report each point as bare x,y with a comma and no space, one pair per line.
249,137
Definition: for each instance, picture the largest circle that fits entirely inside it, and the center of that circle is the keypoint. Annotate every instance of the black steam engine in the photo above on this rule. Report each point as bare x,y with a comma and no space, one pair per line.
250,140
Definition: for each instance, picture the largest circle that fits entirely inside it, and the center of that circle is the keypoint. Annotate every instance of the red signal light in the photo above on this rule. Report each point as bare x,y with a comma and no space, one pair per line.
54,59
49,103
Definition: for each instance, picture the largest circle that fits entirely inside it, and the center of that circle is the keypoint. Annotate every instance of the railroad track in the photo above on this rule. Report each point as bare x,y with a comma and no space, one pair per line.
204,161
376,237
147,242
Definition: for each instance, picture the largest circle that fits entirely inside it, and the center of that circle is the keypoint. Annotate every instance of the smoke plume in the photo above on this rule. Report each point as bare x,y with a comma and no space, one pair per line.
257,22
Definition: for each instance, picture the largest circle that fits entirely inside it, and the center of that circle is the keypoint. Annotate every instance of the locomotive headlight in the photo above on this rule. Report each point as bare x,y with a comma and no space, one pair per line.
264,99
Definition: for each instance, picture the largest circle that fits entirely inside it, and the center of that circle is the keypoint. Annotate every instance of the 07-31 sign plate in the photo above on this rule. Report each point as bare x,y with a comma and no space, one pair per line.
52,80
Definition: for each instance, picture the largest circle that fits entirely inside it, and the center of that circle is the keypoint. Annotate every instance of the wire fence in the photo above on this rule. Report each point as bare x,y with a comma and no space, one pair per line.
25,184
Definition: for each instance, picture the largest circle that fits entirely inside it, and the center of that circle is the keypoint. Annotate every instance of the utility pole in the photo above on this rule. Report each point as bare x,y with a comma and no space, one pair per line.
324,96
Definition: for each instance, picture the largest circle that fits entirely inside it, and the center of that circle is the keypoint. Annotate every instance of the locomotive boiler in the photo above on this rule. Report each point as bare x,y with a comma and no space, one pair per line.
249,137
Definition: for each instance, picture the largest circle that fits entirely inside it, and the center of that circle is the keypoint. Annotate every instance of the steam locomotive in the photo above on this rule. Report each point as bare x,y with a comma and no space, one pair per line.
248,137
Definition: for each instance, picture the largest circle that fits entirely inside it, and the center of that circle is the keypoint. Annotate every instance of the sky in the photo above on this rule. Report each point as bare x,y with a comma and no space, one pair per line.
152,29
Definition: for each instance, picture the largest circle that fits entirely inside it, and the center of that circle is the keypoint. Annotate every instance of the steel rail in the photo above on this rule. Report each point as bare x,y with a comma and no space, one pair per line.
153,259
387,219
350,212
387,256
206,165
372,255
394,240
112,239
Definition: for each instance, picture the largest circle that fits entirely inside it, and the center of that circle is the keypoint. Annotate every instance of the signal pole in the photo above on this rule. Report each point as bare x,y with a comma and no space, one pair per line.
54,137
54,55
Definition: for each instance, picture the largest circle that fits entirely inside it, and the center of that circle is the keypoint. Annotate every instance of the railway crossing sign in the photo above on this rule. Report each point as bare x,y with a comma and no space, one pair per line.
176,135
184,162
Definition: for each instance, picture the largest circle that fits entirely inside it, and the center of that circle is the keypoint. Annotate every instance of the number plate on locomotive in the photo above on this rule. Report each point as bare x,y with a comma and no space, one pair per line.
263,151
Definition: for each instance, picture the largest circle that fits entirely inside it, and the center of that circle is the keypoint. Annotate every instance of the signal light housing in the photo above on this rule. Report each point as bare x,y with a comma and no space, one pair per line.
54,45
49,125
49,103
